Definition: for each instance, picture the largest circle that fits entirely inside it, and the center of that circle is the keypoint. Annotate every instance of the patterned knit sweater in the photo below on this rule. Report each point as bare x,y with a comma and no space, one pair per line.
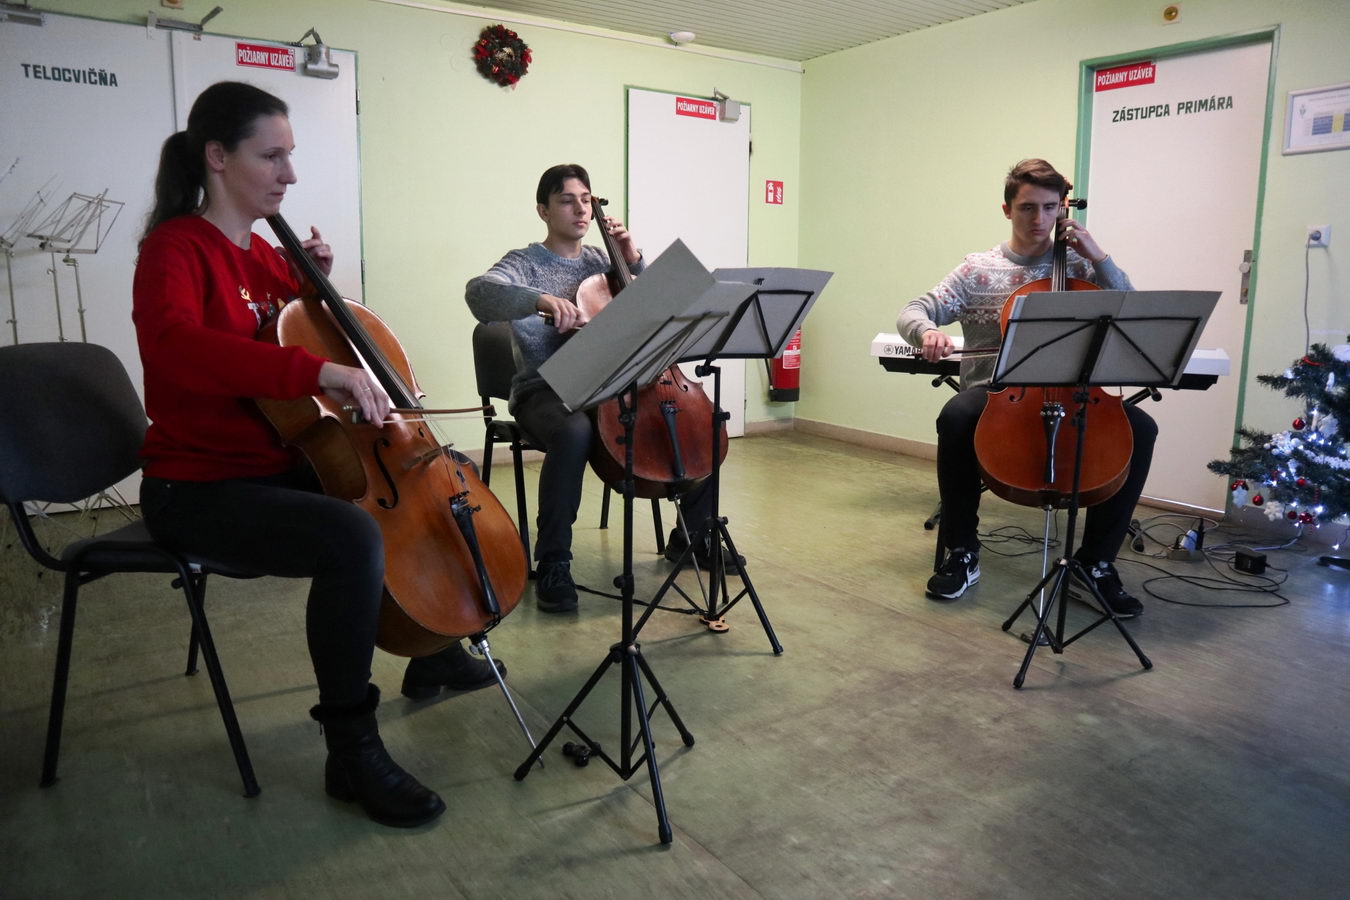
975,291
509,292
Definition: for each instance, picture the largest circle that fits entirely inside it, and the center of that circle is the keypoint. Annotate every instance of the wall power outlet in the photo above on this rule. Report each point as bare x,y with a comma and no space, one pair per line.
1319,235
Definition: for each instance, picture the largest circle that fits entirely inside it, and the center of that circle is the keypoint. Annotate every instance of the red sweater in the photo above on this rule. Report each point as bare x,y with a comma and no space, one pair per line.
198,301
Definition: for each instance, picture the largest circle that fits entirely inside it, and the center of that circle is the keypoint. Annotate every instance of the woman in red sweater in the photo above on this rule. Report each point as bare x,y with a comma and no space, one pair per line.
217,479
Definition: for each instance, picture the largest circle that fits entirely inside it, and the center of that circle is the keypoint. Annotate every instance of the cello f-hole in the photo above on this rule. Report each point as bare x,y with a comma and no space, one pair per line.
388,479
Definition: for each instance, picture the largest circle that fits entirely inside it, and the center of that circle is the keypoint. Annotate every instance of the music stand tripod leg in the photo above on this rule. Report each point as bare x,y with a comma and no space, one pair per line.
633,671
566,717
719,534
720,544
628,654
1080,571
725,536
1056,580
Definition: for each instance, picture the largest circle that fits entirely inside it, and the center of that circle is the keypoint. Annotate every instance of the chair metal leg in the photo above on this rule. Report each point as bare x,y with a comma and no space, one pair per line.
192,654
522,509
486,474
58,708
660,531
194,587
656,519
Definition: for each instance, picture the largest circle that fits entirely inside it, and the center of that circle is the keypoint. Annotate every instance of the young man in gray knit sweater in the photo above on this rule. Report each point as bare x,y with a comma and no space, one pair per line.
543,278
974,294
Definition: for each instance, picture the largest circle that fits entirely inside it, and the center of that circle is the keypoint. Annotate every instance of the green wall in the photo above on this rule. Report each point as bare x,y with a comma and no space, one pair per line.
905,143
893,154
449,161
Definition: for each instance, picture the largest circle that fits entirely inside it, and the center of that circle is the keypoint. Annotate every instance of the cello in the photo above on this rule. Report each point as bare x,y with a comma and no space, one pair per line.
671,452
454,565
1021,439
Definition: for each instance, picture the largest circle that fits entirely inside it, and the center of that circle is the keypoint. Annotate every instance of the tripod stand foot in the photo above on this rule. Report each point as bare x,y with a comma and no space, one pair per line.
1043,642
716,626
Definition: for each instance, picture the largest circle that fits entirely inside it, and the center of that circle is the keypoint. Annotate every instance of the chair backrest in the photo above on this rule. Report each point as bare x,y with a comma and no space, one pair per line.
493,363
72,423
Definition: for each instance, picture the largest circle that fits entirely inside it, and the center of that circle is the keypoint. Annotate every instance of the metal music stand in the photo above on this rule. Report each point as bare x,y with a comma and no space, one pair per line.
660,319
1083,339
64,230
758,326
10,239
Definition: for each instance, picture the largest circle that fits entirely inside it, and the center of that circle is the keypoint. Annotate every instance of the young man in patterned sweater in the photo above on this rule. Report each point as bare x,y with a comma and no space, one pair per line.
974,294
543,278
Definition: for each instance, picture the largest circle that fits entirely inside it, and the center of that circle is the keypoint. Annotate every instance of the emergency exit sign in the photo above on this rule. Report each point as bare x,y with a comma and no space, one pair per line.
773,192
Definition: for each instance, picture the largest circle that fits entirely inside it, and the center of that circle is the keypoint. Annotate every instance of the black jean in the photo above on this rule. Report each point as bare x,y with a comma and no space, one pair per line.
565,437
282,526
959,479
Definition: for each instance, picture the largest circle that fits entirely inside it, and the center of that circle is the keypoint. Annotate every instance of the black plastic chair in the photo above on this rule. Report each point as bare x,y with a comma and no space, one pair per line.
72,428
494,367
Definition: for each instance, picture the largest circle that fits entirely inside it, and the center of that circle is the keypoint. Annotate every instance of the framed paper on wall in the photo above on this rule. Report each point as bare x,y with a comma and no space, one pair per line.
1317,119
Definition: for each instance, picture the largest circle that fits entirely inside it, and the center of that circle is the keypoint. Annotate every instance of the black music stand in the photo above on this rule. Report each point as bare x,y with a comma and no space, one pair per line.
758,326
1092,339
660,325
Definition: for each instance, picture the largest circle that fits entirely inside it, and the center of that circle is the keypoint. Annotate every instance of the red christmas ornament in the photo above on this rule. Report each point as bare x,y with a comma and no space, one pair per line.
1258,500
1299,424
1291,515
1305,518
1301,482
1238,485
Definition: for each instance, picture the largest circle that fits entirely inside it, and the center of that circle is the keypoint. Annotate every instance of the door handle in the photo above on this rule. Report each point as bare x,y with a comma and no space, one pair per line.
1245,267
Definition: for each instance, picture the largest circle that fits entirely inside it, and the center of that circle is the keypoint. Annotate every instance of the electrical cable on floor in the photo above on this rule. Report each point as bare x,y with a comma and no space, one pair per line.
619,597
1016,534
1221,582
1145,528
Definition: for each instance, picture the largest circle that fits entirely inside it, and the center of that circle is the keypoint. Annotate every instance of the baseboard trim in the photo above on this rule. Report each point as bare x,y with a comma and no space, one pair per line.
870,439
501,456
768,426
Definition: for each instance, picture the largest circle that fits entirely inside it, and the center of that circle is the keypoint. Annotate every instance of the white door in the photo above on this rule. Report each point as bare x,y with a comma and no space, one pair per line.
689,178
1172,188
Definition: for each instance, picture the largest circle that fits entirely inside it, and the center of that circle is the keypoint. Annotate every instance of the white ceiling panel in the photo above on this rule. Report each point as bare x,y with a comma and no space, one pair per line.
786,29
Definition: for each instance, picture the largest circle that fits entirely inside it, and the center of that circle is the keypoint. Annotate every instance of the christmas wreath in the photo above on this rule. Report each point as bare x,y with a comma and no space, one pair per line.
501,56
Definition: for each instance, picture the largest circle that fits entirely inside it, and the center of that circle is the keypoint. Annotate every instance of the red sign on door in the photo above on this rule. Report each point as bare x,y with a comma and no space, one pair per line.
262,56
1124,76
699,109
773,192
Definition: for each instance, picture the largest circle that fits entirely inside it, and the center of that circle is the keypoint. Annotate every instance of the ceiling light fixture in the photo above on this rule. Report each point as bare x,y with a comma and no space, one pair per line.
682,37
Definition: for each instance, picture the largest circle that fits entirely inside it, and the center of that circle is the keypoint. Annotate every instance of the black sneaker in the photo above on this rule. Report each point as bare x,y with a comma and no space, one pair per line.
959,571
1107,581
554,588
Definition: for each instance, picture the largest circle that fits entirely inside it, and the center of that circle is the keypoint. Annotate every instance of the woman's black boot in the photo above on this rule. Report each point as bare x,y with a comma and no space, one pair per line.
453,668
359,768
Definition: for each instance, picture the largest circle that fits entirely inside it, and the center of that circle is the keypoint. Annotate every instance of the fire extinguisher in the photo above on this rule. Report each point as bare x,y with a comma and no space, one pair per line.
785,371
